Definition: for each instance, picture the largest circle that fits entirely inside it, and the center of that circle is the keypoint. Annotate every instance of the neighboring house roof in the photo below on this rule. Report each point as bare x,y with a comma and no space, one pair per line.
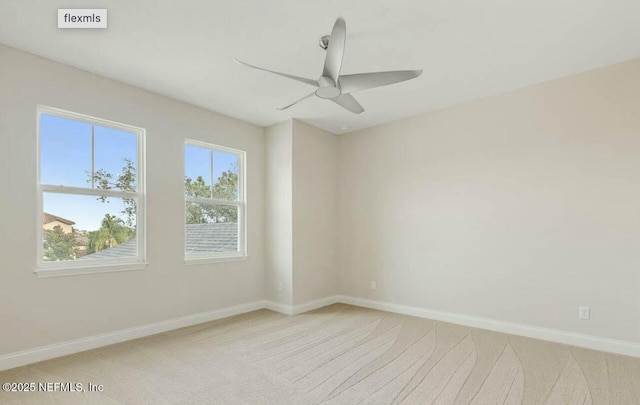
46,218
207,238
126,249
201,238
82,240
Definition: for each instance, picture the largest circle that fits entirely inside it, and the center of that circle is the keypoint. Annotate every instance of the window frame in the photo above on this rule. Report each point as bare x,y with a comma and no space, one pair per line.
75,267
241,203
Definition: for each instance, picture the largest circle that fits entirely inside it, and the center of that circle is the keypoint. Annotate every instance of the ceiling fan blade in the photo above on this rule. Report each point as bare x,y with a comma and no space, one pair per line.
296,102
333,59
349,102
363,81
297,78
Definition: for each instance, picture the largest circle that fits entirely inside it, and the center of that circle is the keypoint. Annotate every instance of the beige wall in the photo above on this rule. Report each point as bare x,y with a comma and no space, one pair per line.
518,207
315,176
279,213
36,312
301,187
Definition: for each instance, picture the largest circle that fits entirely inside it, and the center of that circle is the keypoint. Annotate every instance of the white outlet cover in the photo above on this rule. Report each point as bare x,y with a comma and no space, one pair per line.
584,312
373,285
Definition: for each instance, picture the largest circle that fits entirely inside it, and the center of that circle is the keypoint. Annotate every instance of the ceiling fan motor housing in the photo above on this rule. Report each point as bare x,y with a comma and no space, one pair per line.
328,88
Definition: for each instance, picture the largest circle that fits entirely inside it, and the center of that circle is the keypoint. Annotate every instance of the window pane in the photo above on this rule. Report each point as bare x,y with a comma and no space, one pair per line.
86,227
225,172
197,171
116,159
211,228
65,152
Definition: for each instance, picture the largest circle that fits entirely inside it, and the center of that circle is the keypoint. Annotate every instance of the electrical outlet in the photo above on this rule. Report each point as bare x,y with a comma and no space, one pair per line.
373,285
280,287
584,313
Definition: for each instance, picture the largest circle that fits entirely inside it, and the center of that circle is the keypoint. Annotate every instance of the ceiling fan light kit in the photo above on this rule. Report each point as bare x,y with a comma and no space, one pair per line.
331,85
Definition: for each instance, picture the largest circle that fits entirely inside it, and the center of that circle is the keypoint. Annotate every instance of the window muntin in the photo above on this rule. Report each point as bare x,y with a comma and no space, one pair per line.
91,196
214,201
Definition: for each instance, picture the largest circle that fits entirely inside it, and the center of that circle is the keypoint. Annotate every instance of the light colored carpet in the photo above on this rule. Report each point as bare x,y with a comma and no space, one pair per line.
335,355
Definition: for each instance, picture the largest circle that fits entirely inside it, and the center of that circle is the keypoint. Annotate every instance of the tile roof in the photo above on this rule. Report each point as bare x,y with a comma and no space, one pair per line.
201,238
208,238
126,249
46,218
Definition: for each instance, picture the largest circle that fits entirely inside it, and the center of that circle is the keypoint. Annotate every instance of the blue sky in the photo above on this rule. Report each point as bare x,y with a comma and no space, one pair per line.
65,150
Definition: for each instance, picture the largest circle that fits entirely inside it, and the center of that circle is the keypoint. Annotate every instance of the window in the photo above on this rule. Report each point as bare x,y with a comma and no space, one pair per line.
215,205
91,194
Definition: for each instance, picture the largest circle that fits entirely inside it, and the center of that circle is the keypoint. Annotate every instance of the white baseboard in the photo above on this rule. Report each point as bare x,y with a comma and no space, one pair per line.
301,308
279,307
35,355
311,305
29,356
552,335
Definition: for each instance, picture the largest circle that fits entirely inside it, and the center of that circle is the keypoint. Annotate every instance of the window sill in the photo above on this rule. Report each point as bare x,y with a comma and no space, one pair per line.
75,271
191,261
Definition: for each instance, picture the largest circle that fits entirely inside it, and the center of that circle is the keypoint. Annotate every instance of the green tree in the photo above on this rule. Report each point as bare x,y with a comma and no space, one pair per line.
112,232
225,188
125,181
196,213
196,188
59,245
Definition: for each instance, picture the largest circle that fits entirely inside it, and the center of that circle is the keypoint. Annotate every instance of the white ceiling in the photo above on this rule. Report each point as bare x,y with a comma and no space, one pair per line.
468,49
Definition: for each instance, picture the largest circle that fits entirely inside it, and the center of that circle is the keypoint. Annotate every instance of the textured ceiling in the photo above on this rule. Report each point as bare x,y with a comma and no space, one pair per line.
468,49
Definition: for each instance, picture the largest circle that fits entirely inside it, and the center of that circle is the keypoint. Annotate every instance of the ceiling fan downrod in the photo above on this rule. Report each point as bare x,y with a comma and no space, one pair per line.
324,41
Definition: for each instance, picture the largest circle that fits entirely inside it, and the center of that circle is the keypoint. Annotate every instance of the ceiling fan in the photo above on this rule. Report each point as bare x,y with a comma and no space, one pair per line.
336,87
